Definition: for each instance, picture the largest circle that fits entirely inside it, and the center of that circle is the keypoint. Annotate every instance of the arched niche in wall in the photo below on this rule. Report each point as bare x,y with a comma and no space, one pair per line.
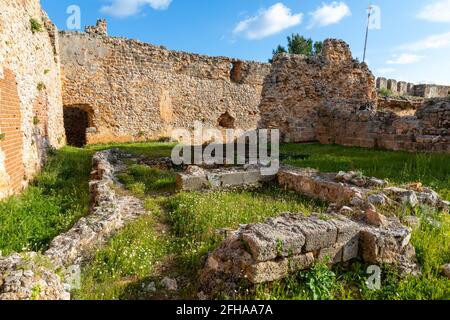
78,119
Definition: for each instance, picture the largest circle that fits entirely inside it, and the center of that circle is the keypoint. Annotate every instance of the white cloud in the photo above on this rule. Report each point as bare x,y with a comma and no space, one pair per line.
329,14
405,58
126,8
436,12
268,22
385,71
437,41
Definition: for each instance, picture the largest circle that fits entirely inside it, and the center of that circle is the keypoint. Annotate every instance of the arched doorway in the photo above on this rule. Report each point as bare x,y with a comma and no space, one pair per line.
77,119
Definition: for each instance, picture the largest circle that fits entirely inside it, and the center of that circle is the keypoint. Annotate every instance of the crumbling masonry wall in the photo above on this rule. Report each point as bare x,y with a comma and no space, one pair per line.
138,91
30,93
298,86
428,130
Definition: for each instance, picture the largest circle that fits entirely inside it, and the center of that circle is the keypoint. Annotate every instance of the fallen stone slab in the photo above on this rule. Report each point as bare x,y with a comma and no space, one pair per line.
272,250
29,276
198,179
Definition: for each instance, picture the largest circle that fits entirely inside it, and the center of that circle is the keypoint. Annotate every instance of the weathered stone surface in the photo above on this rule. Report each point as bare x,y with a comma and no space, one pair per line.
311,183
298,85
376,219
384,244
169,89
377,199
273,270
31,113
30,277
274,239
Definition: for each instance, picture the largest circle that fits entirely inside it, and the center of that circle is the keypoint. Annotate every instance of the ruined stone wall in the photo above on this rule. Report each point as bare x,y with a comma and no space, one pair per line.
428,130
431,91
418,90
298,86
30,93
137,91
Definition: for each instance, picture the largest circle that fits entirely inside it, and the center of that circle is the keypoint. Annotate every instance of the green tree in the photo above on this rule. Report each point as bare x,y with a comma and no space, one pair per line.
298,44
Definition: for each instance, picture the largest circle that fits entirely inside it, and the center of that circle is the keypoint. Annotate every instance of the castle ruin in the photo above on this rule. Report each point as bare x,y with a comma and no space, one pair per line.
80,88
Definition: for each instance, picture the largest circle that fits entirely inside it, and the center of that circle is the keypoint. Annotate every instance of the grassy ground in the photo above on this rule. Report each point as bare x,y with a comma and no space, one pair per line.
183,227
57,198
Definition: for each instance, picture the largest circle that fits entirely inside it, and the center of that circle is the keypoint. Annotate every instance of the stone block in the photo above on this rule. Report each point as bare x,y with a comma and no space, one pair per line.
378,245
271,241
331,255
318,234
274,270
402,88
351,249
232,179
191,183
392,85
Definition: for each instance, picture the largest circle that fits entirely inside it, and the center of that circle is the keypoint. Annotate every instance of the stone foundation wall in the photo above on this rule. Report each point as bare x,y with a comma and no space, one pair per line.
298,86
428,130
138,91
30,93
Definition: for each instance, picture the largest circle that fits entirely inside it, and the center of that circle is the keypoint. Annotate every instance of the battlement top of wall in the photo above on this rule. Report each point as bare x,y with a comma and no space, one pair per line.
101,28
100,31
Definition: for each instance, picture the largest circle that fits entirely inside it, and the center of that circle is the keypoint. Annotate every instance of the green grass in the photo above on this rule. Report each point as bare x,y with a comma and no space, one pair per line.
192,221
142,179
183,227
195,217
133,255
57,198
398,167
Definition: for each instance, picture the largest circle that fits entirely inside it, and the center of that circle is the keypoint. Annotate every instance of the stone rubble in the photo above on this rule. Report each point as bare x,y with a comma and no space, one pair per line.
354,190
29,276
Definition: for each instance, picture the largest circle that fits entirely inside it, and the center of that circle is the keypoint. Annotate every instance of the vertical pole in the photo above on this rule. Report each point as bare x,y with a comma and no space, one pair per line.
367,32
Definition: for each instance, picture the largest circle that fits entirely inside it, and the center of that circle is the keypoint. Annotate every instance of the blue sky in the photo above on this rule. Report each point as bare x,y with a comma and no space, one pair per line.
412,44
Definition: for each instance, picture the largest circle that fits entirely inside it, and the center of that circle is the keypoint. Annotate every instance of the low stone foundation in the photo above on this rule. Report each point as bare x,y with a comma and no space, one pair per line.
354,190
33,276
270,251
352,229
197,179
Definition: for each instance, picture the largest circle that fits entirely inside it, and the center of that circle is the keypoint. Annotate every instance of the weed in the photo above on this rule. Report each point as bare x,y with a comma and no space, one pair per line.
35,25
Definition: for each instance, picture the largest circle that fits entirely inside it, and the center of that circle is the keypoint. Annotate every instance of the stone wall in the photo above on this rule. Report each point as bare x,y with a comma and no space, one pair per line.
431,91
30,93
428,130
138,91
298,86
407,88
